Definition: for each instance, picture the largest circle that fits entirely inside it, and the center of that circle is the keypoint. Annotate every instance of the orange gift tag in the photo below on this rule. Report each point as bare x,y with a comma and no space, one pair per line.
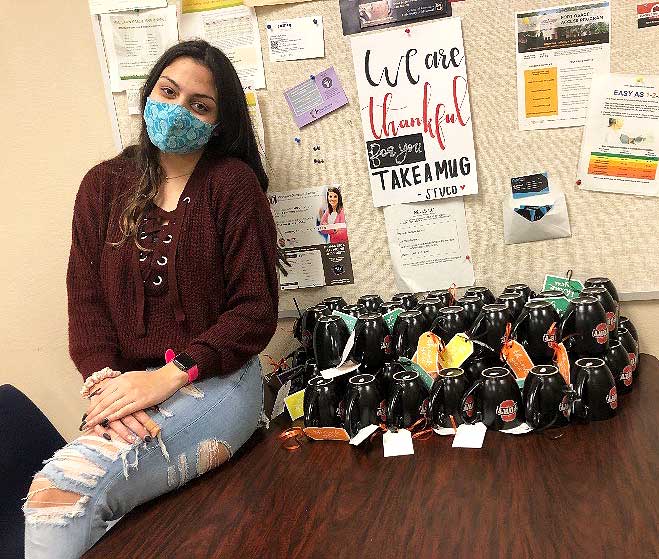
427,351
517,358
562,361
326,434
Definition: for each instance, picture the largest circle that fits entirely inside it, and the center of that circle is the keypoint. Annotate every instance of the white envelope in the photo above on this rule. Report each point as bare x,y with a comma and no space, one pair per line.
555,224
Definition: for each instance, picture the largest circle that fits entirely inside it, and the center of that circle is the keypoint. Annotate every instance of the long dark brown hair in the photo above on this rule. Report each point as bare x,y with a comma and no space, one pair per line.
339,204
234,134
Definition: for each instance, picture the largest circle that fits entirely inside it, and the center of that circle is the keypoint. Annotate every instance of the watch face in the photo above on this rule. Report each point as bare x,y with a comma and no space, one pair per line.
185,361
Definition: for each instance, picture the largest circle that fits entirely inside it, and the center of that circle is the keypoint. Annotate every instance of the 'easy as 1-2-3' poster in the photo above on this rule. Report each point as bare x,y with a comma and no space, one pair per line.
416,117
313,234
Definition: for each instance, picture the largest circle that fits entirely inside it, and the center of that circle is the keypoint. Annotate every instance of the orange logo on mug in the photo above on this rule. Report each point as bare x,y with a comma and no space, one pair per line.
507,410
626,375
601,333
612,398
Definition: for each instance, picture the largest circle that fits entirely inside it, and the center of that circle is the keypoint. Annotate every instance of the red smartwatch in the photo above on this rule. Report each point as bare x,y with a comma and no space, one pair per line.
184,362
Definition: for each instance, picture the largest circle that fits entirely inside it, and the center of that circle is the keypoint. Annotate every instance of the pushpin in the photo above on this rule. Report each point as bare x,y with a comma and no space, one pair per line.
315,21
297,140
312,77
269,26
407,31
579,182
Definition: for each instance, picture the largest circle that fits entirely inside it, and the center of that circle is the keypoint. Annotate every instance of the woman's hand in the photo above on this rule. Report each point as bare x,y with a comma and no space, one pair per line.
127,428
134,391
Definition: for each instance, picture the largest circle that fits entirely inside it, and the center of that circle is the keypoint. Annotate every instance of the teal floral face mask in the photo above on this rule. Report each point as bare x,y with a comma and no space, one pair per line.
174,128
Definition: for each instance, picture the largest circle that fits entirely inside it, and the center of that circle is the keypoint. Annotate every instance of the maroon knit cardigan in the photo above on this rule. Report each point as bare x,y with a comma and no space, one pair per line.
222,291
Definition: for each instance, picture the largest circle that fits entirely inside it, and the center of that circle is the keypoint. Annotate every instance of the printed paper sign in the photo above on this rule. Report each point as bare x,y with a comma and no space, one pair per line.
648,14
558,51
416,116
296,39
316,97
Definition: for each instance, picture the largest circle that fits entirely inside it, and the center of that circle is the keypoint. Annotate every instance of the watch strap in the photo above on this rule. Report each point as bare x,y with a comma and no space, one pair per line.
192,371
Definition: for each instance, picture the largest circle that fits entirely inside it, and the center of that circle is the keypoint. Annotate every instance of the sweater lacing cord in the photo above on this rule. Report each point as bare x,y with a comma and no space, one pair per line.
173,291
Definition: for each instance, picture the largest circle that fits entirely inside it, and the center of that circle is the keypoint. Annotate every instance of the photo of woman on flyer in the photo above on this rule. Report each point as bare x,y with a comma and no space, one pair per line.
334,215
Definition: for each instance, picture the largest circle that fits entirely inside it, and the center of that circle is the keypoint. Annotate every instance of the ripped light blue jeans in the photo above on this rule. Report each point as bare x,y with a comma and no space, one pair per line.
202,425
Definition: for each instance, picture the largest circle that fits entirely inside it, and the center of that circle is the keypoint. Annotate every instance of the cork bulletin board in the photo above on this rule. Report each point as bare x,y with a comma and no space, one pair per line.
612,234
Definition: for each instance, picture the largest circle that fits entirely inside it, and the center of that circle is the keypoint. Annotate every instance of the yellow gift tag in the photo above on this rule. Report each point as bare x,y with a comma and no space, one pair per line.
427,352
457,351
295,404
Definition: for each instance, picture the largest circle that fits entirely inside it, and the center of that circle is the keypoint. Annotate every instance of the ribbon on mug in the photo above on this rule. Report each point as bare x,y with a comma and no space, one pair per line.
277,365
422,434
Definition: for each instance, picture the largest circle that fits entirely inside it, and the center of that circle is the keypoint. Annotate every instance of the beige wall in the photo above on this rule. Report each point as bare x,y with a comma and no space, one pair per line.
56,126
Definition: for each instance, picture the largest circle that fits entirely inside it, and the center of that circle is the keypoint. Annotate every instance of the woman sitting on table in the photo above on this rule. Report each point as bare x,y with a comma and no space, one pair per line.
172,293
334,214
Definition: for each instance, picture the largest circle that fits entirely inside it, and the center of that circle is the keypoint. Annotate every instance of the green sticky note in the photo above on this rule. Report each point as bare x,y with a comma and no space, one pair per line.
570,287
410,365
390,318
560,304
349,320
295,404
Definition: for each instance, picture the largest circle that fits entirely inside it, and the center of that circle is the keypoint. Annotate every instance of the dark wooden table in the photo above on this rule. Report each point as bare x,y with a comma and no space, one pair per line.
593,492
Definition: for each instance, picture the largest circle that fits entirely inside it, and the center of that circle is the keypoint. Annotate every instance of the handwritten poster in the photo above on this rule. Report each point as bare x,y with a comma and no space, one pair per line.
414,104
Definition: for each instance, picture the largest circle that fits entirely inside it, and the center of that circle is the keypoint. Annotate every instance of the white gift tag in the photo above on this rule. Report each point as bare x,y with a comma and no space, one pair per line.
363,434
470,436
278,407
444,430
345,366
519,430
398,443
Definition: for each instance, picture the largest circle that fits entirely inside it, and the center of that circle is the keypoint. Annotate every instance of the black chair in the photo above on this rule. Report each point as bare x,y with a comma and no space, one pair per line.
27,438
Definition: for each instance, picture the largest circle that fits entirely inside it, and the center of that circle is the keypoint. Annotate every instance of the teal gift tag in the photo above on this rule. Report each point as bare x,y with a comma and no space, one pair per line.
560,304
571,288
410,365
390,318
349,320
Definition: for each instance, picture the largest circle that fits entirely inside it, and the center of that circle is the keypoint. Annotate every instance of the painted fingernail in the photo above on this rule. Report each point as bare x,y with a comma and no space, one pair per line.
148,438
105,422
107,437
82,426
84,416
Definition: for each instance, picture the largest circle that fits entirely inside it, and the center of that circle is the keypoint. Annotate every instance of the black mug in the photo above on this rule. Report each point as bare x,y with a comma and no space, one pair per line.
408,301
299,357
514,301
550,294
472,307
585,325
521,288
389,306
606,283
496,398
476,364
409,400
490,326
430,309
322,403
370,345
630,344
449,322
386,378
483,293
334,303
444,295
617,359
311,370
371,302
446,396
406,333
546,398
354,310
531,329
610,307
308,323
330,336
364,403
595,390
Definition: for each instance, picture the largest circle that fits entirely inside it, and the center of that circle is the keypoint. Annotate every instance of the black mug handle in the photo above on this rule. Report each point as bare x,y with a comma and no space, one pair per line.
521,318
391,406
354,395
470,392
533,395
475,325
579,391
435,393
309,411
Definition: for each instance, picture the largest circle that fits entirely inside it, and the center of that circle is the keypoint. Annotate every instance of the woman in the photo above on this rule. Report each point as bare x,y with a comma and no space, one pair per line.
334,214
173,252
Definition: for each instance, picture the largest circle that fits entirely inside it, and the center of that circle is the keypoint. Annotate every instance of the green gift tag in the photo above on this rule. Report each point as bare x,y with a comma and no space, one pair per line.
390,318
410,365
570,287
560,304
349,320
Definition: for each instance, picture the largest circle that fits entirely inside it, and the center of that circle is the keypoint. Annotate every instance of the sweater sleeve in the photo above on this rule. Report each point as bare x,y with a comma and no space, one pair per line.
93,341
248,235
